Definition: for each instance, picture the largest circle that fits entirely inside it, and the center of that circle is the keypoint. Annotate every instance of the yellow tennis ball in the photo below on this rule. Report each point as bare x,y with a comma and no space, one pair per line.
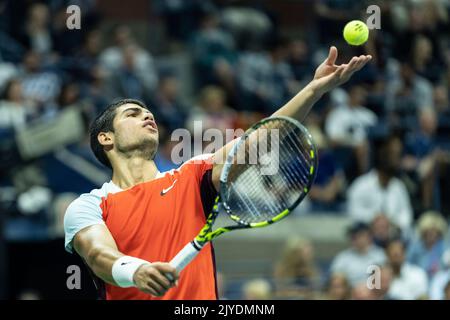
356,33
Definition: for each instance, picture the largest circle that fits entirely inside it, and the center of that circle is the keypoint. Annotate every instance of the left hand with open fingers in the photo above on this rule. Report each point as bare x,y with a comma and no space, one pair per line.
329,75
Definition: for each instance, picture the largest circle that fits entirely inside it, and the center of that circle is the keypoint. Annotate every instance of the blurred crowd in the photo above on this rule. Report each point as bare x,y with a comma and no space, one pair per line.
383,138
418,269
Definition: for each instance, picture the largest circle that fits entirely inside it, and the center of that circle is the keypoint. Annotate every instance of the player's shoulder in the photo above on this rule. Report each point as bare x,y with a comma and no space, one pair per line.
95,195
200,159
189,165
194,168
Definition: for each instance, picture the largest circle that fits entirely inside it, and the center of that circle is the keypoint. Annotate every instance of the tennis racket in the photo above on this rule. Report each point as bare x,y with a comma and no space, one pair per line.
266,174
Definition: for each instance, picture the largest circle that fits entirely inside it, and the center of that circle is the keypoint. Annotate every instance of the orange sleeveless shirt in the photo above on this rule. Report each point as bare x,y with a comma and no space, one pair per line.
156,219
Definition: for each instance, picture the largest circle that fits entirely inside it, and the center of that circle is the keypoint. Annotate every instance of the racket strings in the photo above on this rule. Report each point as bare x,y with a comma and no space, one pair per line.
260,191
251,175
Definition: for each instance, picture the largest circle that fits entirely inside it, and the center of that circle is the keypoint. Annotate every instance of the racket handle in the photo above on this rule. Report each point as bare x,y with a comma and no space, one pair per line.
184,257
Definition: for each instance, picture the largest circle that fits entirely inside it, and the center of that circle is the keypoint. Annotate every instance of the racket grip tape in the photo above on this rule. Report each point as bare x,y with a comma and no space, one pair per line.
184,257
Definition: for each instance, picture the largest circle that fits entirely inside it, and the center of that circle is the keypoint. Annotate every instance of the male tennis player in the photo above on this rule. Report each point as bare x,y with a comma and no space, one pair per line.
127,230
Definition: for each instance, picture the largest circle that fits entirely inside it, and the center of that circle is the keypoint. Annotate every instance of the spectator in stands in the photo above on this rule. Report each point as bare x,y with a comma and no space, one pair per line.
181,18
337,287
425,62
447,291
413,18
300,60
422,156
441,278
67,41
383,231
332,15
13,108
330,180
379,192
95,89
70,97
167,105
258,289
409,282
127,54
86,61
378,290
360,291
127,80
249,25
441,100
296,274
39,86
212,111
382,292
265,79
429,245
427,16
7,71
354,261
36,34
406,93
215,54
347,126
349,121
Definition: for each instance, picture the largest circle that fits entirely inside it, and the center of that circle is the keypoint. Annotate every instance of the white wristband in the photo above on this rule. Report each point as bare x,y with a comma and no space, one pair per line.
123,270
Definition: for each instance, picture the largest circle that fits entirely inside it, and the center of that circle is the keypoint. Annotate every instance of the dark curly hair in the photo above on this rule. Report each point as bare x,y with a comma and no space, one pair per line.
104,123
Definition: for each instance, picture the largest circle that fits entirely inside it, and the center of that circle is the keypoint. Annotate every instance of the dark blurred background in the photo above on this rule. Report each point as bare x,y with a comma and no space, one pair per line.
381,195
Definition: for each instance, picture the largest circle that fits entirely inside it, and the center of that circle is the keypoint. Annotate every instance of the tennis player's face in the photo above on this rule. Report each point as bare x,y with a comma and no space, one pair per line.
135,129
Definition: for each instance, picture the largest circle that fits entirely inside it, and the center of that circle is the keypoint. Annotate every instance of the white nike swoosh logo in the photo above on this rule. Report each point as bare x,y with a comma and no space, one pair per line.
164,191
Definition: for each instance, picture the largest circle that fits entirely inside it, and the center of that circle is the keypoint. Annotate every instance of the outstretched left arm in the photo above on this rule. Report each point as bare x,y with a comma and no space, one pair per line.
327,77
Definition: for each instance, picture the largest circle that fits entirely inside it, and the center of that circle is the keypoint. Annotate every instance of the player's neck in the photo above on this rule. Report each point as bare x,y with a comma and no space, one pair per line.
129,172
